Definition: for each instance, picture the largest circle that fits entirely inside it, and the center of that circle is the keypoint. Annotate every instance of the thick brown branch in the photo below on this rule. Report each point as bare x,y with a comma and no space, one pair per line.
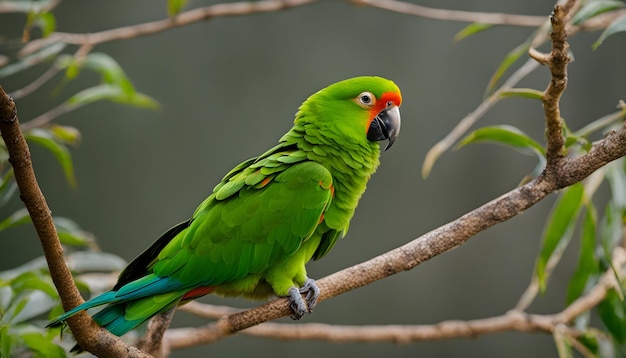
87,333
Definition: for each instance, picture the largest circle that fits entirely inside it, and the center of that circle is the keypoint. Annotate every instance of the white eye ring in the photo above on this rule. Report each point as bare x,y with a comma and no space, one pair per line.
366,99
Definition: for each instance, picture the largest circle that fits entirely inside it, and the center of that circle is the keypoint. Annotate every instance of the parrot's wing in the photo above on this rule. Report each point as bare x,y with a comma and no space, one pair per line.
259,215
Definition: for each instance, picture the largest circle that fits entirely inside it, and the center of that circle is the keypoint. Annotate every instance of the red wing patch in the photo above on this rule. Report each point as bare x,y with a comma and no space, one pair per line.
197,292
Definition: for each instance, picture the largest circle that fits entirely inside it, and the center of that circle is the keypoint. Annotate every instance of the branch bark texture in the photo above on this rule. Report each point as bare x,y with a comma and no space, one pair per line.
514,320
88,334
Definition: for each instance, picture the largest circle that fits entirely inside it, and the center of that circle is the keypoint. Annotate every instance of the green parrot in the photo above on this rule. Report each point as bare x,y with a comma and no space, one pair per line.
268,217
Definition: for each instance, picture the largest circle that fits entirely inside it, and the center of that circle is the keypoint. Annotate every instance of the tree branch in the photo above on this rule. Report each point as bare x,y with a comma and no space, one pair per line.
263,6
514,320
88,334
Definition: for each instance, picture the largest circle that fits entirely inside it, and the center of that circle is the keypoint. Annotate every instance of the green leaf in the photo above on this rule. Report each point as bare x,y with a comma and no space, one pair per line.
174,7
110,70
42,345
6,341
590,340
613,314
47,22
70,233
471,29
20,217
509,60
588,268
46,139
505,135
618,25
33,281
17,308
36,58
593,8
522,92
558,231
112,93
65,134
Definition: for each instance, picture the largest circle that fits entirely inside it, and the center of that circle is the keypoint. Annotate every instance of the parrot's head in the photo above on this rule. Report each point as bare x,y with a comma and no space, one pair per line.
360,111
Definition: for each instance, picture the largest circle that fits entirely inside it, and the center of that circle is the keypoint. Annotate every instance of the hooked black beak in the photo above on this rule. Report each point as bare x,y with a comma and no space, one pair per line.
386,125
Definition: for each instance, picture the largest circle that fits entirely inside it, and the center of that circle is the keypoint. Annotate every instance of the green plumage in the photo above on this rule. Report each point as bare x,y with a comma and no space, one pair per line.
267,218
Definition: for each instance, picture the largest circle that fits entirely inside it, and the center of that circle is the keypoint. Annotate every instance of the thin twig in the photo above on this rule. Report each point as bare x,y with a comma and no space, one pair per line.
182,19
491,18
40,81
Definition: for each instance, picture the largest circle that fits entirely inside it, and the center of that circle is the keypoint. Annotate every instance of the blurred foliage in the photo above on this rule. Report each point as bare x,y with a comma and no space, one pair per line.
28,298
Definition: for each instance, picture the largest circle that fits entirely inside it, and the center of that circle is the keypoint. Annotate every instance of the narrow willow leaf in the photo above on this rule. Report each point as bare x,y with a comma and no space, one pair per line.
18,218
94,94
588,268
44,138
65,134
505,135
47,22
138,100
114,93
174,7
589,339
6,341
471,29
593,8
43,346
33,281
558,231
522,92
32,60
509,60
110,70
619,25
612,312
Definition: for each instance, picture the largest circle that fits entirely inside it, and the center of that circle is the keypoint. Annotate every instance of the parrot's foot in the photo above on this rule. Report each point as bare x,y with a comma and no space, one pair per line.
298,305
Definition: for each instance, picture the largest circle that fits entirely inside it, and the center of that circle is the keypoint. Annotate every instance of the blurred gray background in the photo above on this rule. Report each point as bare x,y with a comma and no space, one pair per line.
229,88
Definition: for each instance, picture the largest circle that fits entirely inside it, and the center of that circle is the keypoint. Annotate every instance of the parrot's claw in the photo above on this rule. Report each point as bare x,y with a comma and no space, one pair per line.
312,293
297,303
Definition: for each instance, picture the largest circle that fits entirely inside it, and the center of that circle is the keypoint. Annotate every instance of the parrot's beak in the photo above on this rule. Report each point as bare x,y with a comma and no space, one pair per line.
386,125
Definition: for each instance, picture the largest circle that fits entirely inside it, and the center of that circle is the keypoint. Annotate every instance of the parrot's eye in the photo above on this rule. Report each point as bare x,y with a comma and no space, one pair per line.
389,104
366,99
